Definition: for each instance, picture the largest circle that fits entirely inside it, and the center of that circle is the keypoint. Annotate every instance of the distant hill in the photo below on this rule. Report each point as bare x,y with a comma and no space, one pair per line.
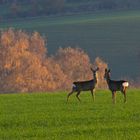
111,36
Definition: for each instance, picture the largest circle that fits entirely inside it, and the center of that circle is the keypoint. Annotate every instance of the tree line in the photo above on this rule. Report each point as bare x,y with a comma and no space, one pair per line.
31,8
25,65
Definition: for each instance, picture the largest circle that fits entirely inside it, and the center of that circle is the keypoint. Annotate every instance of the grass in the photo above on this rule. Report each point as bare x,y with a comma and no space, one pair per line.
48,116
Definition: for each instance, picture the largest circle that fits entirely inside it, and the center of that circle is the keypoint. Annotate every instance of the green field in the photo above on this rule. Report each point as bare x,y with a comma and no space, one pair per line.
111,36
49,117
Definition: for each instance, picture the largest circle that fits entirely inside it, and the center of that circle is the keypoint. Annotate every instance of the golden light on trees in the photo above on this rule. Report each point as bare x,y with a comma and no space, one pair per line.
25,66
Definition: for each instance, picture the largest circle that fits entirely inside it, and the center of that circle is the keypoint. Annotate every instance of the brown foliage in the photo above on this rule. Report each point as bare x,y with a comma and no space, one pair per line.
37,45
56,78
75,64
25,66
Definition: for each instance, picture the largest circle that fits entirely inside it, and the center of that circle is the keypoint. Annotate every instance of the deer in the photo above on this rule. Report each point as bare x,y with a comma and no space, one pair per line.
115,86
85,86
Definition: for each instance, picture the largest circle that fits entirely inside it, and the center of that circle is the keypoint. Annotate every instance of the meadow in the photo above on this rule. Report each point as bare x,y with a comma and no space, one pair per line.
48,116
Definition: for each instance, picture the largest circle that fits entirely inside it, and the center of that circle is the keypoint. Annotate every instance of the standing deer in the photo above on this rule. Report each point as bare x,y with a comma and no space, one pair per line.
84,86
116,86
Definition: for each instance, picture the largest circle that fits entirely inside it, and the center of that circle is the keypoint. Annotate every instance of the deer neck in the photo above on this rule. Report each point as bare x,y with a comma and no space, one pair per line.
95,78
108,79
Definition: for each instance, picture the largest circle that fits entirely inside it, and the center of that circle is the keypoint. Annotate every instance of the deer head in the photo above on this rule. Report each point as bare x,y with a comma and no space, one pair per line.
94,71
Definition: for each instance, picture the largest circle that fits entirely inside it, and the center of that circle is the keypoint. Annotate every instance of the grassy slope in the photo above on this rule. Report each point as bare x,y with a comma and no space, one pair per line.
47,116
112,36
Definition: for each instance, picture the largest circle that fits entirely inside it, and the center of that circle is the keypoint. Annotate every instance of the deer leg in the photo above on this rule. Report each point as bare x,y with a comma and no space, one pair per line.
114,97
70,94
124,93
77,95
93,95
